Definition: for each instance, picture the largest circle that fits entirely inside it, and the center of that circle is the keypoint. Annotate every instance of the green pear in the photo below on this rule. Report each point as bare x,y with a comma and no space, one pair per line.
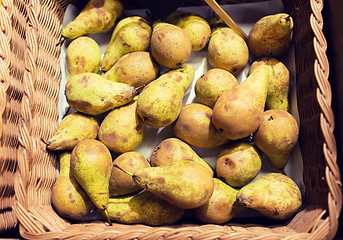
279,83
122,130
221,207
238,112
171,150
93,94
277,136
98,16
185,184
160,102
67,196
271,35
275,195
83,55
73,128
216,23
131,34
238,164
120,182
90,164
143,208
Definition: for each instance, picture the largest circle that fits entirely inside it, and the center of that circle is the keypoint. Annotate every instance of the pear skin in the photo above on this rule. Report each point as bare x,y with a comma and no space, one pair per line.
160,102
275,195
96,17
143,208
185,184
67,196
277,136
271,35
238,112
73,128
93,94
90,164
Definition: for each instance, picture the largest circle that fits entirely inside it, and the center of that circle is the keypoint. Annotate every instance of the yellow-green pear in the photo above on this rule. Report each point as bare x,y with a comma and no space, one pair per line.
131,34
93,94
216,23
143,208
277,136
238,111
98,16
160,102
73,128
67,197
122,130
83,55
271,35
275,195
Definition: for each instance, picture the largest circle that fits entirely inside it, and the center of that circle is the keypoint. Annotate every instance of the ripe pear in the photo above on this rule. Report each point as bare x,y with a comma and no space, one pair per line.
91,164
136,69
120,182
197,28
67,196
279,83
275,195
170,45
221,207
195,127
131,34
238,164
98,16
238,111
228,50
216,23
122,130
171,150
160,102
93,94
83,55
271,35
212,84
143,208
277,136
73,128
185,184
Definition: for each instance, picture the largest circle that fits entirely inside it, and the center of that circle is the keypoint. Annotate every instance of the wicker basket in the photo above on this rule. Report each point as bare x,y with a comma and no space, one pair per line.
30,76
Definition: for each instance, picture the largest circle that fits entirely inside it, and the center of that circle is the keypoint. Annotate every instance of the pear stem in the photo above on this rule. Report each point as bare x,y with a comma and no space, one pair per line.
108,217
115,165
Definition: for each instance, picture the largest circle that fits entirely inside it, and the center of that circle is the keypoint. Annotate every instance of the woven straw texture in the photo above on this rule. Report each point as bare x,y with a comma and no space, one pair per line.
30,76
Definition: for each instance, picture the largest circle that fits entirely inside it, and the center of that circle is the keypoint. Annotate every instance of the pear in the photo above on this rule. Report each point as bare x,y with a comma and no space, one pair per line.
194,126
212,84
238,164
73,128
221,207
171,150
238,112
83,55
216,23
160,102
279,83
196,27
143,208
67,196
275,195
271,35
227,50
277,136
90,164
98,16
185,184
136,69
131,34
120,182
93,94
122,130
170,45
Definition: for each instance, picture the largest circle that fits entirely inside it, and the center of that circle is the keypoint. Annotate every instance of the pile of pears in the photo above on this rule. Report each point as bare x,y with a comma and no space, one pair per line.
140,82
